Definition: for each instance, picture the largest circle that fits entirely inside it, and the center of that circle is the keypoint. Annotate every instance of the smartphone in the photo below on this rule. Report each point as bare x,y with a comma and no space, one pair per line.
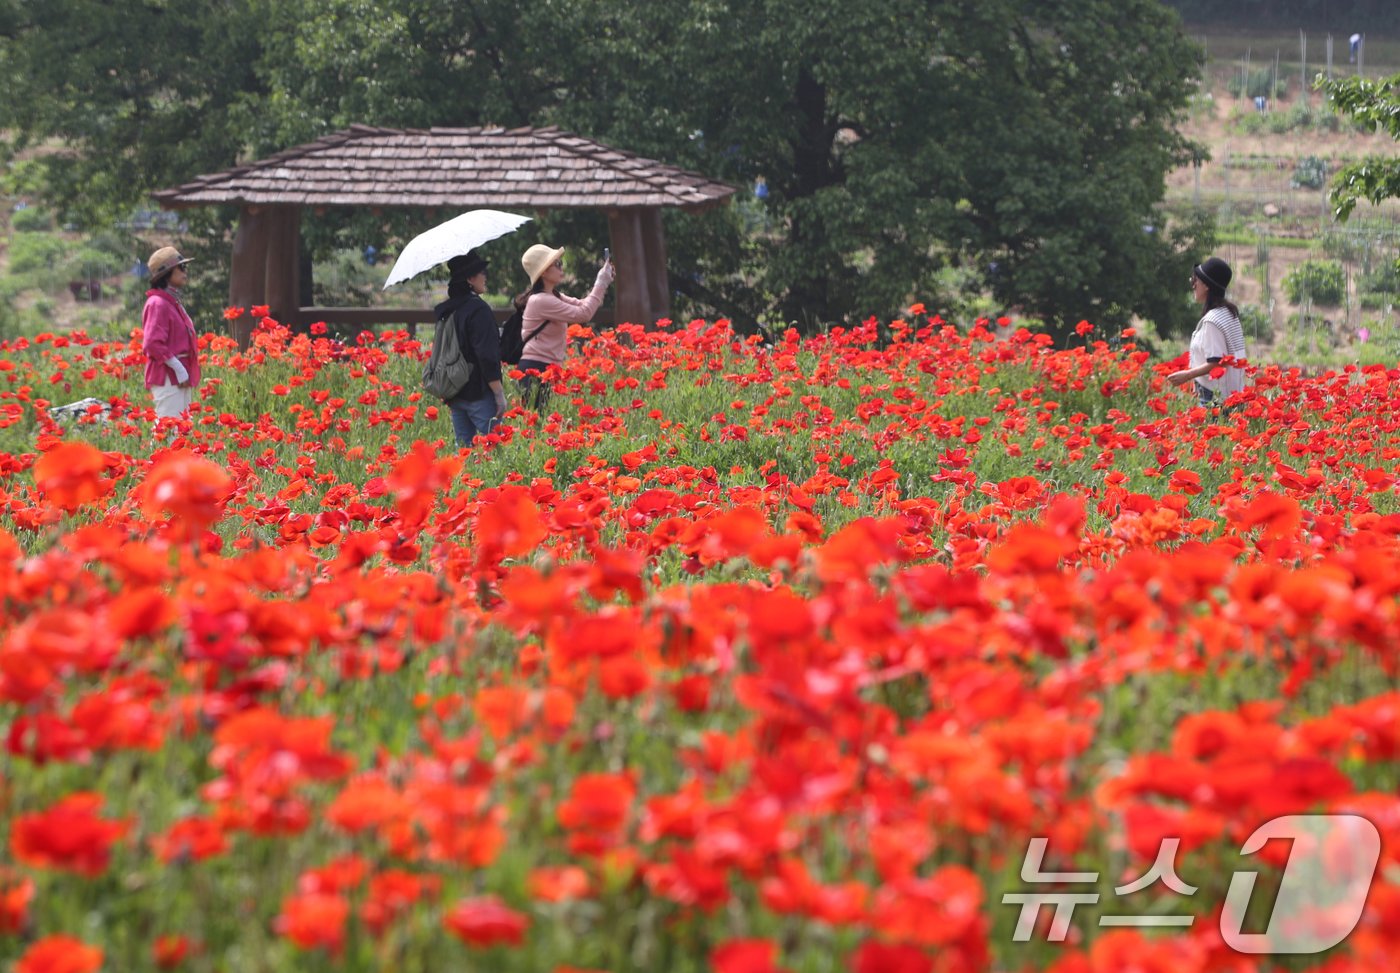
607,255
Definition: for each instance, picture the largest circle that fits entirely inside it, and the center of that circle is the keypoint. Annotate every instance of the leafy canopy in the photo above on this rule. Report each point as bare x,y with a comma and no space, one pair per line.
1024,143
1374,178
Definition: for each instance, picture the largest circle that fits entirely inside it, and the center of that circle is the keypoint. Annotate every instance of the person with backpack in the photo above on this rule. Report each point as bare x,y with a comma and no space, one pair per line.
1218,335
546,316
481,402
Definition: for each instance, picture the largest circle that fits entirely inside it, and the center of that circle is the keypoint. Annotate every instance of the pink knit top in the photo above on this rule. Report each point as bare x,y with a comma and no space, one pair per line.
559,311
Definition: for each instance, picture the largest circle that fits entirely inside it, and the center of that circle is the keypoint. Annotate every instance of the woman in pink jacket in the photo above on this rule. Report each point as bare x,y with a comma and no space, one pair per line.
167,336
547,316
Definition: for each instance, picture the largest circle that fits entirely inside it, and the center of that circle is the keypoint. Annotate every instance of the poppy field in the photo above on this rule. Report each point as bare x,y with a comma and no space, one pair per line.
739,657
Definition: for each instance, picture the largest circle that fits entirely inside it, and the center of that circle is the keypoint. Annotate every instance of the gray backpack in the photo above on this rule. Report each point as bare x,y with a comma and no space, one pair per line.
448,368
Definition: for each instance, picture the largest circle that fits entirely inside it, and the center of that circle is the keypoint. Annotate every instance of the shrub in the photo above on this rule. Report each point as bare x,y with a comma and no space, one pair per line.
1201,103
30,220
1259,82
89,261
9,317
1257,324
346,280
35,252
1320,281
1251,123
1311,330
1311,173
1380,287
1385,277
1300,116
1347,246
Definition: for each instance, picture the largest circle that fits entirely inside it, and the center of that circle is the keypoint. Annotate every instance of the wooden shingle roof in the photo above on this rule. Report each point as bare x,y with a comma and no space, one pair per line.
459,167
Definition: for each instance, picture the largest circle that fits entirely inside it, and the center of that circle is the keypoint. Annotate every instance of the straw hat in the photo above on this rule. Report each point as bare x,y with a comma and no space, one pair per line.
164,260
537,258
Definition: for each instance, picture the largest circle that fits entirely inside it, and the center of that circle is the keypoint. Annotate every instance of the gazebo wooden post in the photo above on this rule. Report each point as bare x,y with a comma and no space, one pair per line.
247,283
658,282
630,257
283,274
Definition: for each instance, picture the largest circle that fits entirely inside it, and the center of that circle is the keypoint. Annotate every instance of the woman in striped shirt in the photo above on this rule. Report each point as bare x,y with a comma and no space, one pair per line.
1218,335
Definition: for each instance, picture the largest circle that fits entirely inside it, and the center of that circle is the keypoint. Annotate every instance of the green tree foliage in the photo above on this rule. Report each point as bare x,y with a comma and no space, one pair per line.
1023,141
1028,141
1374,178
142,93
1373,104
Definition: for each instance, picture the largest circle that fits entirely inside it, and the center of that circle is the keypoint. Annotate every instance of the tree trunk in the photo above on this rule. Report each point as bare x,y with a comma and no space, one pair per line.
807,300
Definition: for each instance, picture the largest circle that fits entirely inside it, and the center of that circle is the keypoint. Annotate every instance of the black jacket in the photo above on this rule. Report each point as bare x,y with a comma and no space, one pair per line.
477,334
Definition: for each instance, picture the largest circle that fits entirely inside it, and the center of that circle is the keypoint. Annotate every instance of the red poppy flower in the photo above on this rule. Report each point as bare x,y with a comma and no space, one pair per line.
418,480
72,475
1277,515
68,836
50,645
315,920
486,921
877,957
855,549
692,693
16,893
558,884
509,525
391,894
60,954
368,802
745,956
189,490
170,951
500,709
190,839
598,802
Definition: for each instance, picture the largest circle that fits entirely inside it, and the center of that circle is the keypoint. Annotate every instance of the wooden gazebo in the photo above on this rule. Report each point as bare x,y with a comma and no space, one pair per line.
453,170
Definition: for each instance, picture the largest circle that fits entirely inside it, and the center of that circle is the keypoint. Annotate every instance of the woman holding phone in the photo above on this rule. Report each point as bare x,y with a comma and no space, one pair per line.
547,314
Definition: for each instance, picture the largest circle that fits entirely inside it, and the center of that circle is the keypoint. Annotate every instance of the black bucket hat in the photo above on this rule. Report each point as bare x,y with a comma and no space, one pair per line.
1215,273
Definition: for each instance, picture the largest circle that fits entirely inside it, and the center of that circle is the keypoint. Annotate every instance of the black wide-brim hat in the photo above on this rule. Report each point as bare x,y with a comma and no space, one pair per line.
1214,272
468,264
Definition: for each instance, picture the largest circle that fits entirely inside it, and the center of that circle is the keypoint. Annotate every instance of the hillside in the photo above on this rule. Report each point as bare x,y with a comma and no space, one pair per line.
1270,218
